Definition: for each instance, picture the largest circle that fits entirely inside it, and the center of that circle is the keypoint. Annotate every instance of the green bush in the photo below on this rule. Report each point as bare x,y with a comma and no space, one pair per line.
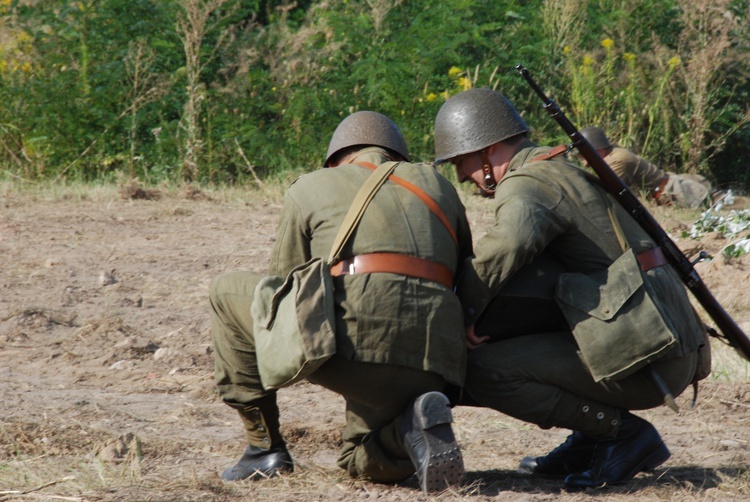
97,88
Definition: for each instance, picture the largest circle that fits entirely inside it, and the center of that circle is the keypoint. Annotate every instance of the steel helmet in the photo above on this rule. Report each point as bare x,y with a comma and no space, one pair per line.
596,137
473,120
367,128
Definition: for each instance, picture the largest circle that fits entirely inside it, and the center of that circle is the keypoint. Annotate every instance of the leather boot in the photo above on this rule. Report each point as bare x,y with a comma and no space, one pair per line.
573,456
429,440
258,463
266,454
635,447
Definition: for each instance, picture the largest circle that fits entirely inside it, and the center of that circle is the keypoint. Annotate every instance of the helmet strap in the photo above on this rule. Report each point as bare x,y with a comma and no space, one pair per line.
489,178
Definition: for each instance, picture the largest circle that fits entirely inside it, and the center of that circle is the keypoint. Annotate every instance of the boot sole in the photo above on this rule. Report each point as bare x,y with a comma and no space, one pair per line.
657,457
654,459
445,465
273,464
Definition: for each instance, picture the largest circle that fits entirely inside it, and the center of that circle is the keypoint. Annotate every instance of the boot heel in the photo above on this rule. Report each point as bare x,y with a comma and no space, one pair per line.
434,409
658,457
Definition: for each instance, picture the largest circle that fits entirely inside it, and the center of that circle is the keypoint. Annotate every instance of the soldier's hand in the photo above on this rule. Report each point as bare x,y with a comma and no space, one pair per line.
472,340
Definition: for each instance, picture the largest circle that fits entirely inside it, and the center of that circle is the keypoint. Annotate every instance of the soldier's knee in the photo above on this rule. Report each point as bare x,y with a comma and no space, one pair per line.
241,282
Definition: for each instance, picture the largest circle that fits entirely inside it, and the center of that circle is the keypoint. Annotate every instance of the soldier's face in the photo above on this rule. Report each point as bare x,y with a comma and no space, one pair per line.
469,168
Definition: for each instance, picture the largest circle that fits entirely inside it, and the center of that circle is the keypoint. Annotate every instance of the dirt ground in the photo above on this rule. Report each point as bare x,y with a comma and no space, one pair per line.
106,366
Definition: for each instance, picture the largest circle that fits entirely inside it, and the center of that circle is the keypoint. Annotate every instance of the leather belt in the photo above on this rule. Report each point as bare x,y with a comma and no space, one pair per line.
651,259
658,191
394,263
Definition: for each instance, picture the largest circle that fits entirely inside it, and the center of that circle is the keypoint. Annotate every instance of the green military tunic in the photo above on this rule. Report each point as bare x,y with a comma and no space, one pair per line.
397,336
383,318
553,208
684,190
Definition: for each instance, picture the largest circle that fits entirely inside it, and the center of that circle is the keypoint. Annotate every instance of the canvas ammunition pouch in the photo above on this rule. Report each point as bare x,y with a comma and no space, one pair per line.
293,322
613,316
616,315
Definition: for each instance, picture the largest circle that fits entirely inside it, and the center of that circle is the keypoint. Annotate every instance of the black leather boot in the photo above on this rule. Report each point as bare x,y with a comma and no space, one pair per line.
267,454
636,447
429,440
573,456
257,463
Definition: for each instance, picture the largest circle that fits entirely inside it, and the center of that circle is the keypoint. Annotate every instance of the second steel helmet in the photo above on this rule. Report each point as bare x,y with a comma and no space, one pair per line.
367,128
473,120
596,137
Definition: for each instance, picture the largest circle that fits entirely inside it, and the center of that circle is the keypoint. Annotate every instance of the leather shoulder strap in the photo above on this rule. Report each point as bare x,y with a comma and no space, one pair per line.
555,152
429,201
356,210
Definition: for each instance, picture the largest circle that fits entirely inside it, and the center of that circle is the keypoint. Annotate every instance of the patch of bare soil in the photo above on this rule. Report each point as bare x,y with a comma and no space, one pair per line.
106,370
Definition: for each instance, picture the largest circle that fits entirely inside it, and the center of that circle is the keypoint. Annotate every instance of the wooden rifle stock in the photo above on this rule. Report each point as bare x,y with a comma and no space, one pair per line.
614,185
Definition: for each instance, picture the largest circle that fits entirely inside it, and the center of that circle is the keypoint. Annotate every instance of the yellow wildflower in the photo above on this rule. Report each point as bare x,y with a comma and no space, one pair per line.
464,83
628,56
607,43
454,72
23,38
431,96
674,62
566,49
588,60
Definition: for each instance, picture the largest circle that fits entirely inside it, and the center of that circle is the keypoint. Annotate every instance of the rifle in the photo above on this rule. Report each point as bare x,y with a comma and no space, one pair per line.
732,333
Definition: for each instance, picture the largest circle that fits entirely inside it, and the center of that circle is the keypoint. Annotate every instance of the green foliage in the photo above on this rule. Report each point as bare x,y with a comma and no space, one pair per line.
94,88
71,103
735,223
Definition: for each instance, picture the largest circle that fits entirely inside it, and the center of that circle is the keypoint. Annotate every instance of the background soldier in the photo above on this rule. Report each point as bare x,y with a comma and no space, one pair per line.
399,336
683,190
553,208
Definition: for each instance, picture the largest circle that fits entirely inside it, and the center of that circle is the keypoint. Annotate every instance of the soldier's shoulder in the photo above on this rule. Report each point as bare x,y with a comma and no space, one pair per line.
621,153
543,170
312,177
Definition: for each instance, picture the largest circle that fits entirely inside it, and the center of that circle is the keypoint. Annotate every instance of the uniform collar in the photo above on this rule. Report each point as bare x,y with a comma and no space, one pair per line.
526,151
372,154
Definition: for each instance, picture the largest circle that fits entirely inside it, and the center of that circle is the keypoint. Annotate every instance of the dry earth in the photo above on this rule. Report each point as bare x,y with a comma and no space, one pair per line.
106,366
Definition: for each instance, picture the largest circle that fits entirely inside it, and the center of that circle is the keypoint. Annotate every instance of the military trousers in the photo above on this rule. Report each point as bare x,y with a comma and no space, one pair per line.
541,379
376,395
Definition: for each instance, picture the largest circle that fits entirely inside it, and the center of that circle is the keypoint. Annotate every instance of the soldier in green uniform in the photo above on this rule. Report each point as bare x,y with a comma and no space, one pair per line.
683,190
546,207
399,336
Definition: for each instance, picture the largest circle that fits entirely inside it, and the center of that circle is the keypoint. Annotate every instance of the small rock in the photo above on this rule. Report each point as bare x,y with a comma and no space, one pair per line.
164,353
122,365
118,449
729,444
107,278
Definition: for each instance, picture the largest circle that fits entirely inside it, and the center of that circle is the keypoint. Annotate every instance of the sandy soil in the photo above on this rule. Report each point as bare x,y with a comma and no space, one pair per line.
106,367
